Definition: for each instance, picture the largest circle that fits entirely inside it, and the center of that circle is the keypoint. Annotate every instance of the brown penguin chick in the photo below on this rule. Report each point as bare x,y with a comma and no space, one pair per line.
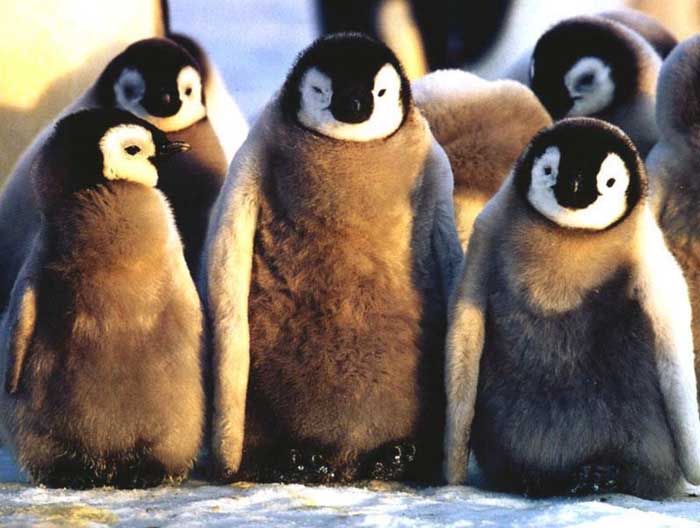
102,339
329,259
674,165
483,127
569,359
159,81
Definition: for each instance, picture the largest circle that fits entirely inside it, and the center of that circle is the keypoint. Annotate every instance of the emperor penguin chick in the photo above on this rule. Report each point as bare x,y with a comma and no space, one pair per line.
674,165
595,67
569,361
159,81
483,127
328,262
102,339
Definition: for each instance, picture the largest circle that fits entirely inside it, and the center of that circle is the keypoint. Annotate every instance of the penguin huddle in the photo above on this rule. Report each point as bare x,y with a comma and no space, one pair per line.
389,276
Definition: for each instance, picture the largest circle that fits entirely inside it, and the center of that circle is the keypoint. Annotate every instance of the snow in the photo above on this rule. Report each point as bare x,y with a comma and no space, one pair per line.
370,504
254,42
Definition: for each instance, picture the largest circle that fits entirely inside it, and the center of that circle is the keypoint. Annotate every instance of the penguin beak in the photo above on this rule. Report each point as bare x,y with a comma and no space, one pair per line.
173,147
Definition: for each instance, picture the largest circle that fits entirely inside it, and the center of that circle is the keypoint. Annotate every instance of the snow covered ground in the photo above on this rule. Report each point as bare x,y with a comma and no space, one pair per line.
374,504
254,42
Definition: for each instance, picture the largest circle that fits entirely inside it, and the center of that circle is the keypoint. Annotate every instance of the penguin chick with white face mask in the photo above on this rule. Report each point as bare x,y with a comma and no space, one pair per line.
102,339
594,67
159,81
329,259
674,165
569,361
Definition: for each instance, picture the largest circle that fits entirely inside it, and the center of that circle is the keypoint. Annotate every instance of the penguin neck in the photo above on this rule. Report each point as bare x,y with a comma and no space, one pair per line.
556,267
344,182
121,227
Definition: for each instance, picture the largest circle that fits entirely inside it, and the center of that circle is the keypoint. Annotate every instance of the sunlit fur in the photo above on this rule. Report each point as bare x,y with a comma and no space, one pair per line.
130,88
120,164
609,207
314,113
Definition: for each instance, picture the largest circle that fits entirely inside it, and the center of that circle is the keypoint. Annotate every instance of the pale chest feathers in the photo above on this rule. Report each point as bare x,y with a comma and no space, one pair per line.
554,274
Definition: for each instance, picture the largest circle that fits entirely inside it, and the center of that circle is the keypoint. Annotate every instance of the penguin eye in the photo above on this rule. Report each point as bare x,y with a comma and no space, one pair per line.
317,89
129,92
548,170
188,91
610,182
132,150
381,92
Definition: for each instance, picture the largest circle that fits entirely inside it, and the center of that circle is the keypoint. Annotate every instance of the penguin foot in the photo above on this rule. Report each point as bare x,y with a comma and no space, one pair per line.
301,467
593,479
393,461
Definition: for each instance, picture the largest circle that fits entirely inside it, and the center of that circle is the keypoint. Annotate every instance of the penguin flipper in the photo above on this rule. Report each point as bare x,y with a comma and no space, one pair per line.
225,285
663,294
18,326
445,245
465,340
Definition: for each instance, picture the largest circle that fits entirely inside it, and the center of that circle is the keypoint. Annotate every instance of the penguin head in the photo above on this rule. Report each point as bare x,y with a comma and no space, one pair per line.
347,86
583,66
96,147
581,173
157,80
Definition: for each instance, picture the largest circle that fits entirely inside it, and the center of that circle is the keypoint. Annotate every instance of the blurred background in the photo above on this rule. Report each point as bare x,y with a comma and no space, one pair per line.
53,49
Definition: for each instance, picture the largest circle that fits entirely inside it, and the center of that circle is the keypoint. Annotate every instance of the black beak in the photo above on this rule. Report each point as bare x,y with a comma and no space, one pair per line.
173,147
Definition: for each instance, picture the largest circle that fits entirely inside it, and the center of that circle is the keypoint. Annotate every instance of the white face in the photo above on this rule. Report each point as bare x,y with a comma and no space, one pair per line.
125,151
316,94
612,181
131,87
590,85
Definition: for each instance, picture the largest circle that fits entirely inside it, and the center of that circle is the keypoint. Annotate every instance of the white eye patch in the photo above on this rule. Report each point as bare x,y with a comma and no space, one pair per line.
589,83
125,151
612,182
316,94
131,87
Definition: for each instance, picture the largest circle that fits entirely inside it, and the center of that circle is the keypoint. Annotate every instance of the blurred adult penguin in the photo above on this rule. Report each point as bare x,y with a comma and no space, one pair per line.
102,340
52,51
157,80
570,356
592,66
483,127
329,259
674,165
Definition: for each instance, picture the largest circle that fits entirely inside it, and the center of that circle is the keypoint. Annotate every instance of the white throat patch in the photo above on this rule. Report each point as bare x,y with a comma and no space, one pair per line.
612,182
131,87
126,150
316,94
590,85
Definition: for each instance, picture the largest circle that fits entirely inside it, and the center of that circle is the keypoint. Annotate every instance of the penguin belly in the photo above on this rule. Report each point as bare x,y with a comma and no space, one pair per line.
339,356
571,403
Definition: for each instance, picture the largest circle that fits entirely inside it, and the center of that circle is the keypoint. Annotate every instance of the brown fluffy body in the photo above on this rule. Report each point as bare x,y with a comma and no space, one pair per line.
483,127
347,304
110,391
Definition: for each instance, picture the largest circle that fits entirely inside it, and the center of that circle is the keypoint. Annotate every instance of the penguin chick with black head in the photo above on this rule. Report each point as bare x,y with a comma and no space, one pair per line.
328,262
159,81
102,339
674,165
569,363
595,67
